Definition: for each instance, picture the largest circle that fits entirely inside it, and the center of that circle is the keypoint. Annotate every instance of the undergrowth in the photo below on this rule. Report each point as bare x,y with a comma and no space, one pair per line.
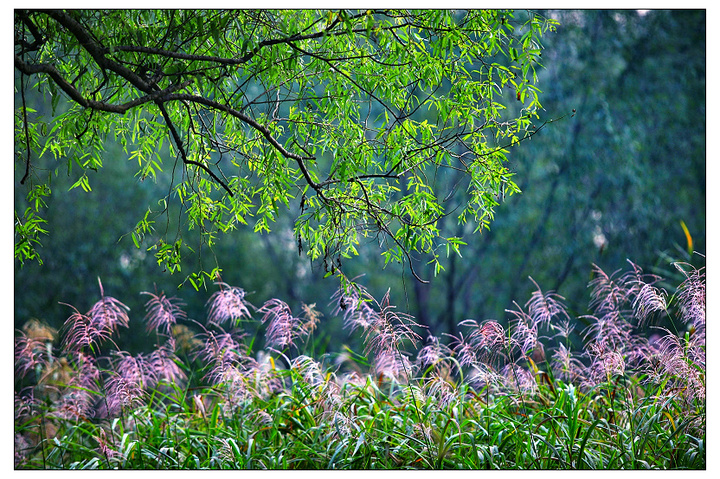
629,394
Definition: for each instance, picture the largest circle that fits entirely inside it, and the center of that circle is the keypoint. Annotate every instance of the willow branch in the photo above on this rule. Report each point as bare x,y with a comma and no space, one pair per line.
27,133
183,154
80,99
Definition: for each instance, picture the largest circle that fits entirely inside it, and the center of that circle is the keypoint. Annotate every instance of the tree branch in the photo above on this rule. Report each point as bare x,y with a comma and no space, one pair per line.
99,52
254,124
183,154
27,133
327,32
78,97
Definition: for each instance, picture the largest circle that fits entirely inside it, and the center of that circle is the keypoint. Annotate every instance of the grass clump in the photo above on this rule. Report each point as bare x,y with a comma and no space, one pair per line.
630,394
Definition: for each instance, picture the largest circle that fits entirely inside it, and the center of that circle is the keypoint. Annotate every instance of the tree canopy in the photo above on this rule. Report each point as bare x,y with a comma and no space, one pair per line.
361,124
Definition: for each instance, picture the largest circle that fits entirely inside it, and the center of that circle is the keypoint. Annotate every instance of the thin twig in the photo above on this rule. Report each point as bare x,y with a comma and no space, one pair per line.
25,124
183,154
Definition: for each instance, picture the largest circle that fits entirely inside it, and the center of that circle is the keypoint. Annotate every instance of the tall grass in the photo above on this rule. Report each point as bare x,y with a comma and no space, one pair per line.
625,392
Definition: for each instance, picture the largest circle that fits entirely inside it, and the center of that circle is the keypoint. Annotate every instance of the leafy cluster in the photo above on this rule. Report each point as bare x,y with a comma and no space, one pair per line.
517,396
350,117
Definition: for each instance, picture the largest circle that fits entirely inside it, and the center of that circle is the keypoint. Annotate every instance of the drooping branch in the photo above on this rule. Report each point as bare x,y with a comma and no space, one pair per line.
183,154
160,97
116,63
27,133
255,125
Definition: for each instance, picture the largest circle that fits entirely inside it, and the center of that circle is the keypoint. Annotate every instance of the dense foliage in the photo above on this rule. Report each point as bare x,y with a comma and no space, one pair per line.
352,116
520,397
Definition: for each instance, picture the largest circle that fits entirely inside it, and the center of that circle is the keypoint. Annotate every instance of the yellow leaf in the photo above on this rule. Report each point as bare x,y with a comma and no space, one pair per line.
533,365
671,419
687,236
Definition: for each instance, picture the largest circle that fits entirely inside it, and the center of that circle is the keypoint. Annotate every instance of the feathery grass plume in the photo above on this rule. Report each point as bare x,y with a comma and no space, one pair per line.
130,378
165,364
228,305
87,372
609,292
283,328
692,300
676,359
523,331
324,389
331,396
485,344
229,368
566,366
109,313
261,417
612,329
138,369
342,425
226,452
162,312
695,349
543,307
33,347
519,379
26,407
220,350
105,448
610,298
24,402
98,325
354,302
311,319
121,393
563,329
484,377
78,398
440,387
605,363
391,365
391,330
80,332
464,351
691,294
74,404
308,369
432,353
31,354
351,380
636,278
235,386
490,336
657,361
648,301
387,338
